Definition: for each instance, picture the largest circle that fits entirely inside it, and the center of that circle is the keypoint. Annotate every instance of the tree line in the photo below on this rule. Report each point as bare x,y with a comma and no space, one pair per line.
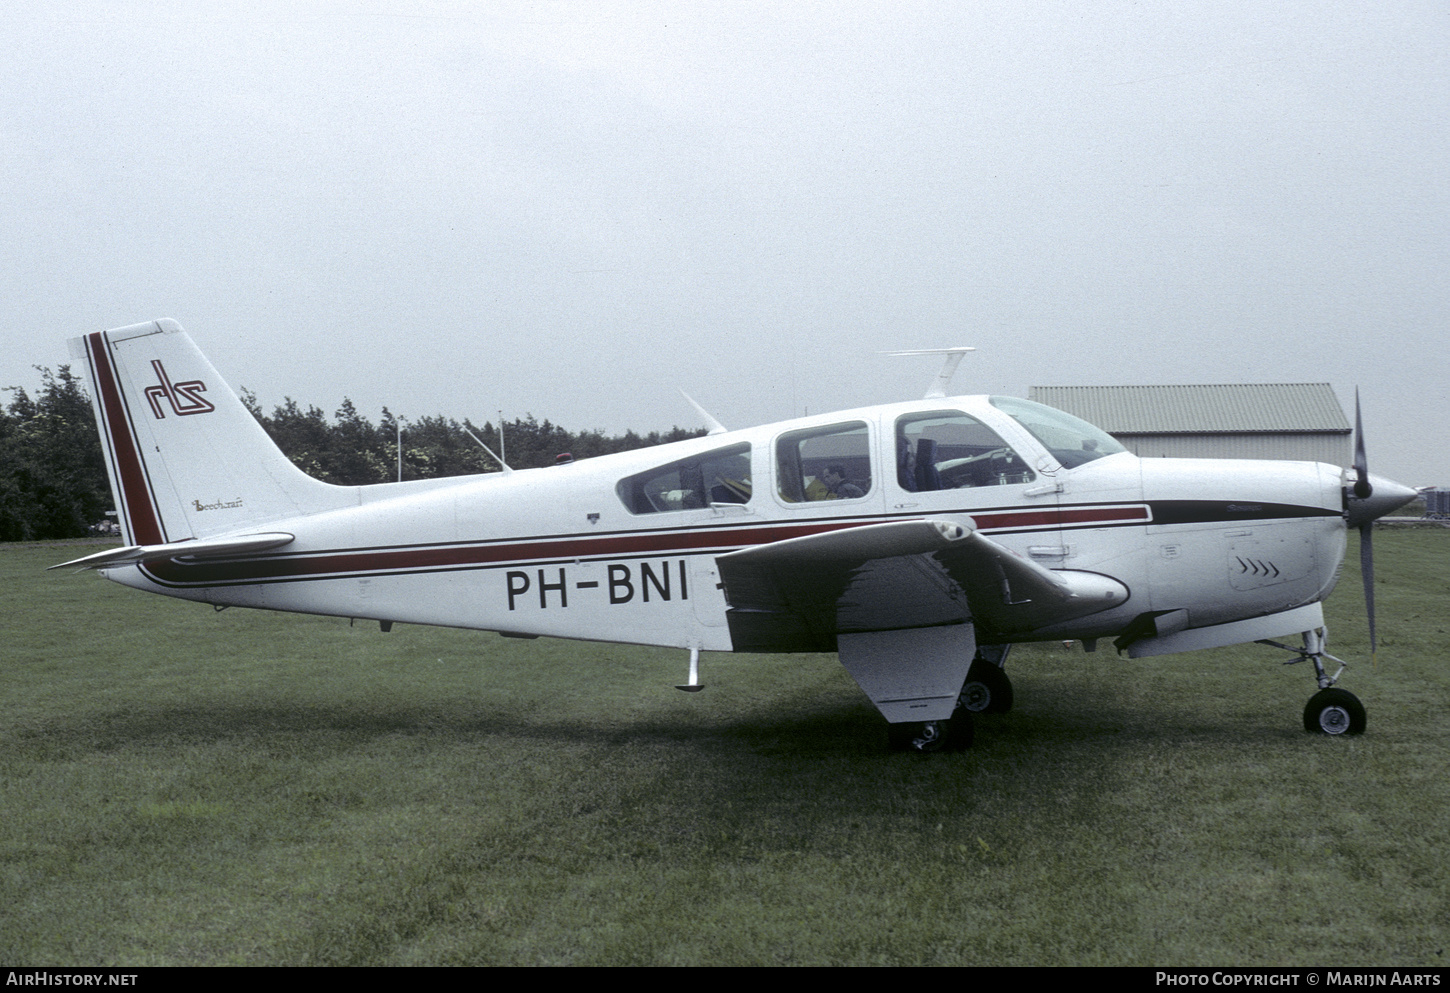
53,476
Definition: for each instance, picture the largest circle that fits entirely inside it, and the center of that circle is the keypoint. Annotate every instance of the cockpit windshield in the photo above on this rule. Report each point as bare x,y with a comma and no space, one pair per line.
1071,440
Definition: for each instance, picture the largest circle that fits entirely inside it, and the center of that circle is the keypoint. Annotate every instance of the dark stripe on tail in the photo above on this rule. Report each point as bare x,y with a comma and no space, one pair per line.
129,471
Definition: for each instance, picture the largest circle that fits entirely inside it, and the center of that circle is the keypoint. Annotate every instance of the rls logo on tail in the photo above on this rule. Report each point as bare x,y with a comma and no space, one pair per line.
181,396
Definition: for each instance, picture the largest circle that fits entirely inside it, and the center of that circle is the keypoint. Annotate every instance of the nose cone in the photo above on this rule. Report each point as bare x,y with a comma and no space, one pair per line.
1387,496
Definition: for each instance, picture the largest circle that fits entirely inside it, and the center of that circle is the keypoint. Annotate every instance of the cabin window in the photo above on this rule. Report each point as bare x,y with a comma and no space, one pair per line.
948,450
721,476
829,463
1071,440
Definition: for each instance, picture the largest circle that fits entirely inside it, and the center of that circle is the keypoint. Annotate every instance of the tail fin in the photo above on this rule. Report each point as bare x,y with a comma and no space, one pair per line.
186,459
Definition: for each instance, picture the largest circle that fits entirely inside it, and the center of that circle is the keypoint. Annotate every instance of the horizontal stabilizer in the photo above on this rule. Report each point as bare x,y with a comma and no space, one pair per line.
210,548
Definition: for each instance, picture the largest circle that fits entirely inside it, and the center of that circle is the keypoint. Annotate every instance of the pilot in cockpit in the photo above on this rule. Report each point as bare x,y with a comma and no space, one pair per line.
838,487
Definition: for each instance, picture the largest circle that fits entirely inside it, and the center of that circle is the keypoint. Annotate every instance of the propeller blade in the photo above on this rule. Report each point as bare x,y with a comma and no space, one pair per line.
1362,487
1366,571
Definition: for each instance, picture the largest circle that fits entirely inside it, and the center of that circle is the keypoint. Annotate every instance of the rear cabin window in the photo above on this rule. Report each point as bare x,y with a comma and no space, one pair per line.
721,476
830,463
948,450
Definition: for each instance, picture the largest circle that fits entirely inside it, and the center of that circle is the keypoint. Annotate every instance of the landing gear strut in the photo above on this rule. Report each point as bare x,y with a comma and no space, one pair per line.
1330,711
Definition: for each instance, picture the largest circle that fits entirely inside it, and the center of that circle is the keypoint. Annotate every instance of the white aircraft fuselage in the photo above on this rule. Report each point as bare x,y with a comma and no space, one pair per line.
986,515
554,551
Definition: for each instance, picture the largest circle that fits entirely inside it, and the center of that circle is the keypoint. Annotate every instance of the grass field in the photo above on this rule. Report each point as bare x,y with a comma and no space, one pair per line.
188,787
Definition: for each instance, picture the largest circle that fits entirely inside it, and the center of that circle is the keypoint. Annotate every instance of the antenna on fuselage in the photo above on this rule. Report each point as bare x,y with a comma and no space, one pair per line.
501,463
714,426
953,358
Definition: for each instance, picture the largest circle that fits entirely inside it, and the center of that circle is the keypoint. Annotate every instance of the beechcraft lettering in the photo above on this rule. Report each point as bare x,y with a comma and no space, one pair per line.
217,505
623,582
918,540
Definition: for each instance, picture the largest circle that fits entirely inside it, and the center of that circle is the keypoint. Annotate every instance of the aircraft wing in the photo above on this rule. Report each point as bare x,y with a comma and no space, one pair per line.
209,548
798,594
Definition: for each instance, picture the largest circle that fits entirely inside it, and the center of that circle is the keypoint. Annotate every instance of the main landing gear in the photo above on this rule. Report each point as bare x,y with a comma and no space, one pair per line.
987,690
951,735
1332,710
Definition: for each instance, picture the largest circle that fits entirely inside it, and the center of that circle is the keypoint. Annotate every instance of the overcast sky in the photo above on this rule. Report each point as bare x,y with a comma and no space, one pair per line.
576,208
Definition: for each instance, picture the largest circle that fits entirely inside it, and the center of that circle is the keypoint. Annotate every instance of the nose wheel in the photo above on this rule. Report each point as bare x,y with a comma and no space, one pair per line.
1334,711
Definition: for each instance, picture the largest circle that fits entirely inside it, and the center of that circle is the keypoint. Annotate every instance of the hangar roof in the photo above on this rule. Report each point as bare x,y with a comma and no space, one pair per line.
1230,408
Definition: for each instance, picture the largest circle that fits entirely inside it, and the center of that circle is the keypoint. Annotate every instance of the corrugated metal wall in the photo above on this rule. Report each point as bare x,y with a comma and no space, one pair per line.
1334,449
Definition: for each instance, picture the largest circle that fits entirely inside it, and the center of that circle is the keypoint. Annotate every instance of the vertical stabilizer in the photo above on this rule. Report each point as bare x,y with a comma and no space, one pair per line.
186,458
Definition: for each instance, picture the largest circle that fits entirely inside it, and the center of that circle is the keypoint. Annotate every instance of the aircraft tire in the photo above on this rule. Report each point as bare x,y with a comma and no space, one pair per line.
929,737
1334,712
987,689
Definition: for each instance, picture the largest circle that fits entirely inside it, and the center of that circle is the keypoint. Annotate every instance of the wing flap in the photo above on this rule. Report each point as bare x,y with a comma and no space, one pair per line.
796,595
799,594
1011,595
209,548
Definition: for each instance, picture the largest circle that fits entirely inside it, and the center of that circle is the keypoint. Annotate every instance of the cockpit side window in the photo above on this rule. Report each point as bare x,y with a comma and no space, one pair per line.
948,450
828,463
721,476
1071,440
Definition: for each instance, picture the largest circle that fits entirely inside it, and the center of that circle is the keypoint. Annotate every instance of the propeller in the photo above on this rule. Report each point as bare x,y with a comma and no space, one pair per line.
1362,486
1363,490
1369,498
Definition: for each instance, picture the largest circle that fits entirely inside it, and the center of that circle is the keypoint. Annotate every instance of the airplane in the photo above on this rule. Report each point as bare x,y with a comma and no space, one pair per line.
917,540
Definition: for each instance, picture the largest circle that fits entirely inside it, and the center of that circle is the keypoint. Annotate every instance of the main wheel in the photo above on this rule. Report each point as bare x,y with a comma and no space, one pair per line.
1334,711
933,736
987,689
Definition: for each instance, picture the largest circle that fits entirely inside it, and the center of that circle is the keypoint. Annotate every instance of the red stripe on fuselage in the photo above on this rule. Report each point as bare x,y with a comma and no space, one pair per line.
141,517
441,558
328,565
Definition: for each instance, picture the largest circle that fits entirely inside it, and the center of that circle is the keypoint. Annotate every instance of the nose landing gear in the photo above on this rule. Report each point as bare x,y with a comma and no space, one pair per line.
1331,711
